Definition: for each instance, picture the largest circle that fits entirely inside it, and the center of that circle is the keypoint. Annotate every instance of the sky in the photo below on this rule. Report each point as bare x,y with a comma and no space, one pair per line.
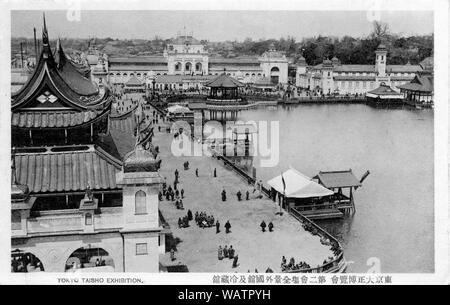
216,25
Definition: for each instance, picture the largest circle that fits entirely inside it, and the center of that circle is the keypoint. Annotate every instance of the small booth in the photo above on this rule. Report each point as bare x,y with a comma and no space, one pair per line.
134,85
384,95
296,191
342,183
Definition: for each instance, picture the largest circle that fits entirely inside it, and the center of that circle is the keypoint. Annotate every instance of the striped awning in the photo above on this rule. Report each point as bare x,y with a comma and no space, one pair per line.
67,171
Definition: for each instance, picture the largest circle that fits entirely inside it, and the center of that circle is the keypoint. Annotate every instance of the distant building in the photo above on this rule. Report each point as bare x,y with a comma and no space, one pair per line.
84,189
332,77
186,56
421,88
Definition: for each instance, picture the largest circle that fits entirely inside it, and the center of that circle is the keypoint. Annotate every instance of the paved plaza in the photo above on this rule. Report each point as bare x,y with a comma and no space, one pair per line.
256,250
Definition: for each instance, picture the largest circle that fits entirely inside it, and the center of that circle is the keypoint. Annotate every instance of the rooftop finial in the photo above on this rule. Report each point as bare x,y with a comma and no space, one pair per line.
44,32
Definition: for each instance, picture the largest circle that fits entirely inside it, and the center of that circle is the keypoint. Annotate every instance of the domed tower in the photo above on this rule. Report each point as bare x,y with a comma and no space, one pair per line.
327,77
140,182
380,60
301,79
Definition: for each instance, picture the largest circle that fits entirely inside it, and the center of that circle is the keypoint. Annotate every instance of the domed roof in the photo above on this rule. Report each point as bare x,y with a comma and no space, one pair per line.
141,160
381,47
301,60
327,63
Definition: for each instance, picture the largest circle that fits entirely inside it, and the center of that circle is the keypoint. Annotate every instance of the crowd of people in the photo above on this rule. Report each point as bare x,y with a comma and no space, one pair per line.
172,194
291,266
230,253
26,262
204,220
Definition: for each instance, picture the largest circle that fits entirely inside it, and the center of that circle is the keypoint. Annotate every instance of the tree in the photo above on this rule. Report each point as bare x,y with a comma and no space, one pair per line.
380,31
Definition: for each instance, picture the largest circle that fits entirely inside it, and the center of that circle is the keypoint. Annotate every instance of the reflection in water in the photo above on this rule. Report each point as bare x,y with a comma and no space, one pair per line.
394,220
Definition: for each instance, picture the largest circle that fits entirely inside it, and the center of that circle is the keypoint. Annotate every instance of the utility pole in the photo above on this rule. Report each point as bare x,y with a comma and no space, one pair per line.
21,55
35,45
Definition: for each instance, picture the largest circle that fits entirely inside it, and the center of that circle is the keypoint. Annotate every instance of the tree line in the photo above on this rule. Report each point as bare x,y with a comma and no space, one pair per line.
349,50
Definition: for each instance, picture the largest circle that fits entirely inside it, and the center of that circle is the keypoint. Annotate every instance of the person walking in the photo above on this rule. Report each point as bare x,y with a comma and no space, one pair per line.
215,173
270,227
196,172
217,227
220,253
224,195
235,261
263,226
227,227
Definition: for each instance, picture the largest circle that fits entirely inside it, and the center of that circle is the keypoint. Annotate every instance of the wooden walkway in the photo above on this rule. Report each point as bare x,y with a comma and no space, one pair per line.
322,214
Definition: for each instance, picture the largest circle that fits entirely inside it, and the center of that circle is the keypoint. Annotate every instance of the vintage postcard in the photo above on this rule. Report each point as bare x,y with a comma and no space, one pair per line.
208,142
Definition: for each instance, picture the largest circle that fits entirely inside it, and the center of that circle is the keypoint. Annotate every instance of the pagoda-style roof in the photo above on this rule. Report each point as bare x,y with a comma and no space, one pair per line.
336,179
57,94
134,81
420,84
59,119
384,91
224,81
66,171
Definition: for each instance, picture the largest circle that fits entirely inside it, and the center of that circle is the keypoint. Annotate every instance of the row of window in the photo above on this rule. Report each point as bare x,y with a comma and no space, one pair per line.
188,66
369,74
139,75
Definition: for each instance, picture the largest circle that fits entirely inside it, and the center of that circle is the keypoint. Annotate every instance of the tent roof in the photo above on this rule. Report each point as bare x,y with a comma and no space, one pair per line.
384,91
298,185
333,179
178,109
224,81
133,81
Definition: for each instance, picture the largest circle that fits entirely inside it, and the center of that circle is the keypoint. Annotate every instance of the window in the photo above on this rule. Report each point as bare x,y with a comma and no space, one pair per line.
140,206
88,219
141,249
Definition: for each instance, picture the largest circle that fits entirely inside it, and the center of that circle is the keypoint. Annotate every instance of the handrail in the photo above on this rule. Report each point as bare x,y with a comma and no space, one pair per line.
322,232
303,219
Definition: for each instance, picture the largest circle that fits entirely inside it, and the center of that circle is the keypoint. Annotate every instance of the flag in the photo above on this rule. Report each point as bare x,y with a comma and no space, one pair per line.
284,183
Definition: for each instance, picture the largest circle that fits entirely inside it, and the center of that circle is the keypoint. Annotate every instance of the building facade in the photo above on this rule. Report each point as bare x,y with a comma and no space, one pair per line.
186,56
332,77
78,200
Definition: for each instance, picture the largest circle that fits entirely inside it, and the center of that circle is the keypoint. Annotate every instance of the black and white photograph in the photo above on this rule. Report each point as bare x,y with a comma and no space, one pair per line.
234,143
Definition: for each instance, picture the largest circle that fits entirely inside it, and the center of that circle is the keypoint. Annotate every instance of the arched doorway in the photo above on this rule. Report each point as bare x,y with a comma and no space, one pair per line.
198,67
178,66
188,67
23,261
274,75
90,259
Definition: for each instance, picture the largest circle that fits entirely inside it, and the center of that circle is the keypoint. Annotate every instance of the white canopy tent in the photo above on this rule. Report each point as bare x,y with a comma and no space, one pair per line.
298,185
178,109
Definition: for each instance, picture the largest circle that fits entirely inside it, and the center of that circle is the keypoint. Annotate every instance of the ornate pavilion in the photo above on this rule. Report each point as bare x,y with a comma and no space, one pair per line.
81,182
